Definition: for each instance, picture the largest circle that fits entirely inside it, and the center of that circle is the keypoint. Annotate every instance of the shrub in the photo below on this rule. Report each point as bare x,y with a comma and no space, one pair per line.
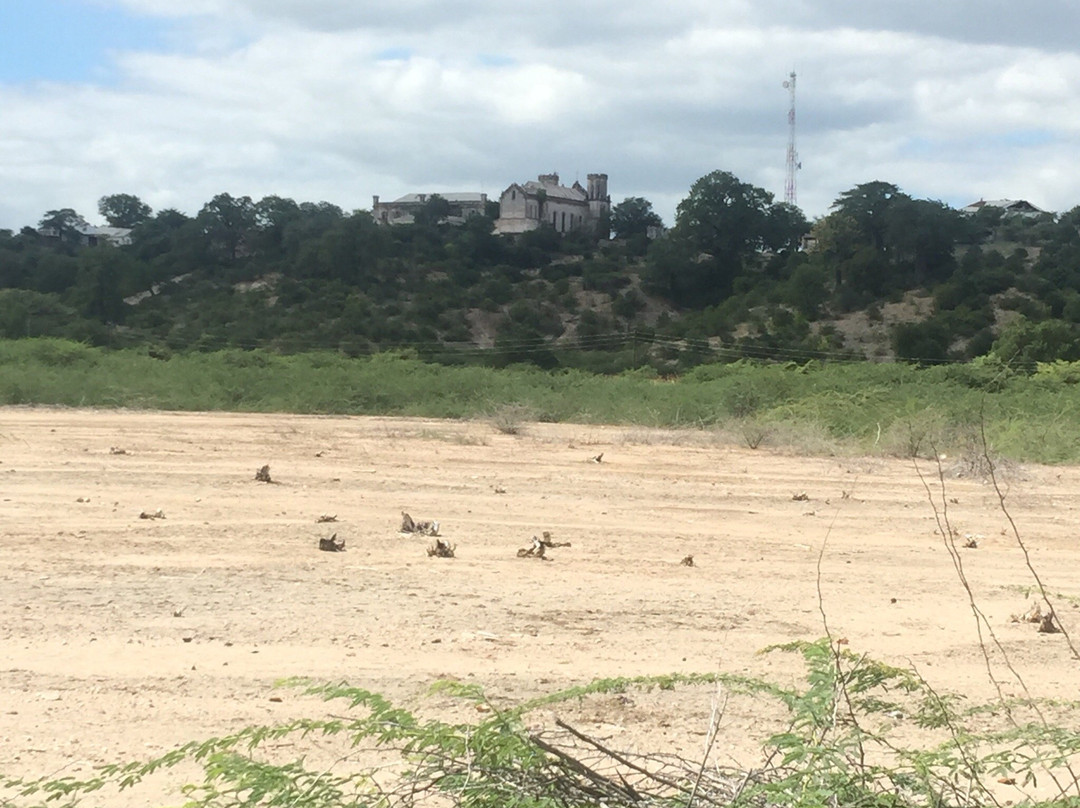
509,419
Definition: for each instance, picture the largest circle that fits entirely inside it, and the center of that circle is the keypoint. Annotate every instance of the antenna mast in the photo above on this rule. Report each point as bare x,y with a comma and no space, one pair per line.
793,163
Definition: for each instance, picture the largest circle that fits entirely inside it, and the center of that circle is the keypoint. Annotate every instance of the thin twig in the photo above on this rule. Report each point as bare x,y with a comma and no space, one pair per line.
714,730
620,758
941,516
834,648
1020,541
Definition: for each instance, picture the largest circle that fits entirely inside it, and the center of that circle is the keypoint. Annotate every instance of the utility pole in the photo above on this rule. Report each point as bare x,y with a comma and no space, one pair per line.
793,164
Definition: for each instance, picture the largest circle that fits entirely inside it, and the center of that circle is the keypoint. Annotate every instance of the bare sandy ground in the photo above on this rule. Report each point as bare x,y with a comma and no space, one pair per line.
122,637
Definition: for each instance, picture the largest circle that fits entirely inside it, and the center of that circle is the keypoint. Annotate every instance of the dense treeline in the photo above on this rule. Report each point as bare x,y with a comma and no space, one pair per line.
1007,284
736,270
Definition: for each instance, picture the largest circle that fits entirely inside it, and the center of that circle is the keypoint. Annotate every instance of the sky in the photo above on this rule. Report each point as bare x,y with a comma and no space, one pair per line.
340,100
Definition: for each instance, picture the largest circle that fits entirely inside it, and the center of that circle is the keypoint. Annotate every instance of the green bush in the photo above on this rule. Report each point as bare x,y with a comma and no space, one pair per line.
1025,416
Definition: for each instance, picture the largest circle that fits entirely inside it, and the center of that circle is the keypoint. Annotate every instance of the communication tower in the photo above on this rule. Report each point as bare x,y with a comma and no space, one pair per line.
793,164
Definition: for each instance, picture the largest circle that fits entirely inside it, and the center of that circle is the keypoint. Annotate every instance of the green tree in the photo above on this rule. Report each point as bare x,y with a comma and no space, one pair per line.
807,289
1024,343
24,313
355,251
433,211
785,225
724,216
103,273
227,222
836,237
311,222
673,270
982,225
273,215
65,223
124,210
163,234
53,272
869,206
921,343
476,244
634,216
719,227
922,233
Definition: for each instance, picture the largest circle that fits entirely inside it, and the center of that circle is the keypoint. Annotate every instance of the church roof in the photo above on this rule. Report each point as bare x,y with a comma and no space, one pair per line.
555,191
466,196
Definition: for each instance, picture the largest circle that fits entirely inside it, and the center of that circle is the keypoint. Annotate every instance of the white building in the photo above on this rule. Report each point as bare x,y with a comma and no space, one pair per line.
1008,207
91,235
527,206
404,210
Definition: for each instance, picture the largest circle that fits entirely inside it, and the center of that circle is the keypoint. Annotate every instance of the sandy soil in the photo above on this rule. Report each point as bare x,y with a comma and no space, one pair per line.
122,637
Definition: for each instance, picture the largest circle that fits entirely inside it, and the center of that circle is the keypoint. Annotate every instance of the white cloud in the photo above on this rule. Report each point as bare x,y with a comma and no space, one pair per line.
323,99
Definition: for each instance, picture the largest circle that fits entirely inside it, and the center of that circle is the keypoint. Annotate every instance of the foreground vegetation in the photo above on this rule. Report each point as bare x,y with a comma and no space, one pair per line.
858,733
837,407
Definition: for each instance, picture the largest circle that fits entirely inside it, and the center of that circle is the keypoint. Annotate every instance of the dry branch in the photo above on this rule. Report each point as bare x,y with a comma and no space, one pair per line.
548,542
583,769
441,549
539,547
537,550
332,545
410,525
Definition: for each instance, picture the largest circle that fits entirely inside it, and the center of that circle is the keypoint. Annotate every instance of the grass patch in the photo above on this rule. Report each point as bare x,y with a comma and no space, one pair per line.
837,408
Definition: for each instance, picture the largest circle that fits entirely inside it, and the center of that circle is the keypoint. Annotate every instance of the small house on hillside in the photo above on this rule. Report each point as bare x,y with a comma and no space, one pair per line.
1008,207
116,236
526,206
88,235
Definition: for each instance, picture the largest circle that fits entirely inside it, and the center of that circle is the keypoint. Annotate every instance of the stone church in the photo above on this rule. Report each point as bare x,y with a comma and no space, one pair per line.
526,206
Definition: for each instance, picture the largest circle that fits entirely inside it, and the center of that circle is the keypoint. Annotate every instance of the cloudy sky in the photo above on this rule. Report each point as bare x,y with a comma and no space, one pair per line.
337,100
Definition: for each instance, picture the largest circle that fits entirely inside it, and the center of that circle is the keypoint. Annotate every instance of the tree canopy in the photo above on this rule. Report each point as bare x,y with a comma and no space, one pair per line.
124,210
719,228
633,217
